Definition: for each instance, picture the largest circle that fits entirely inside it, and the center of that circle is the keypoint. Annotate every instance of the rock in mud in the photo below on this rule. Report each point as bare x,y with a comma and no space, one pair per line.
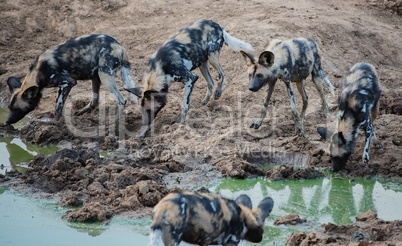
290,219
291,173
6,129
91,212
237,168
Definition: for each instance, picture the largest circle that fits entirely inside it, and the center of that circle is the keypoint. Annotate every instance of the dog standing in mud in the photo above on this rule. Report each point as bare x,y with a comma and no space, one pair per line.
193,46
291,61
207,219
358,108
95,57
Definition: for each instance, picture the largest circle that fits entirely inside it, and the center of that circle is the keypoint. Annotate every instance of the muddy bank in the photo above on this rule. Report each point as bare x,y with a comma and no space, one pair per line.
367,230
104,186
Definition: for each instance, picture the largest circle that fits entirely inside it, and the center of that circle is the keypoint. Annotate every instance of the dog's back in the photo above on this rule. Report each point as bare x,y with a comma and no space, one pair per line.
196,218
208,219
360,95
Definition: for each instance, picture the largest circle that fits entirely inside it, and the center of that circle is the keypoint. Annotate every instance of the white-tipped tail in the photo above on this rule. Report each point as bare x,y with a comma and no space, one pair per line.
330,86
155,238
236,44
128,82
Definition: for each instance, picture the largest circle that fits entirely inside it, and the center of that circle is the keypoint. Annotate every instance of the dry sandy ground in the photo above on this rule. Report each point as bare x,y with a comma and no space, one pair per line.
216,139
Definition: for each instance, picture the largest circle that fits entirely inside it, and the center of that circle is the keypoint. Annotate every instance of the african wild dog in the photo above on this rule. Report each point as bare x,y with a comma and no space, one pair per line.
358,108
207,219
291,61
192,47
95,57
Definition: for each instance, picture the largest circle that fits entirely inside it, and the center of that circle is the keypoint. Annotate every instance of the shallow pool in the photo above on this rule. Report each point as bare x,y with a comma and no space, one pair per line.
319,201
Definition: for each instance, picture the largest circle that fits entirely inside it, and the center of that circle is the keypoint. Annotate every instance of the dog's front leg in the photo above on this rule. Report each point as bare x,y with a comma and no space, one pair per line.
258,123
64,89
369,132
298,125
188,88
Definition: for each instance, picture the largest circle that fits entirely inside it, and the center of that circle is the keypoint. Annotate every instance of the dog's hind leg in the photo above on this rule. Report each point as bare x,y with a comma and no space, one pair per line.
213,58
302,91
95,96
205,72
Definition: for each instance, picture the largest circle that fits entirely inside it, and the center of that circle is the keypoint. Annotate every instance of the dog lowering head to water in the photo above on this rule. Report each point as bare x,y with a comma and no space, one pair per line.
291,61
95,57
192,47
207,219
358,108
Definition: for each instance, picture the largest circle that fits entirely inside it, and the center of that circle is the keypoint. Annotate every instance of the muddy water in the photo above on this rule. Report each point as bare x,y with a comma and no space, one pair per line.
319,201
27,221
15,153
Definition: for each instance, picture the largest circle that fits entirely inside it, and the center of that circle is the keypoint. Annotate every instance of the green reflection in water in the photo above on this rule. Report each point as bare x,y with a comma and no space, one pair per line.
27,221
16,153
320,201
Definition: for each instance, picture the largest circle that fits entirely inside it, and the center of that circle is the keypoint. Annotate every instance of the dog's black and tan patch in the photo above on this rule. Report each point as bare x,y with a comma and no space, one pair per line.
206,219
194,46
95,57
358,108
291,61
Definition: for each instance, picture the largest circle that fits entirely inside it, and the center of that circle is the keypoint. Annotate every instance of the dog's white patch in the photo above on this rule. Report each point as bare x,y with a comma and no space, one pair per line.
363,92
183,205
213,206
52,76
155,238
188,64
340,114
102,50
364,108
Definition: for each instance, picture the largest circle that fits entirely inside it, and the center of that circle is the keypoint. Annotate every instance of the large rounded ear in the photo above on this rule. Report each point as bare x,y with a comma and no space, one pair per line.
325,133
266,58
248,58
245,201
31,92
13,83
136,91
264,208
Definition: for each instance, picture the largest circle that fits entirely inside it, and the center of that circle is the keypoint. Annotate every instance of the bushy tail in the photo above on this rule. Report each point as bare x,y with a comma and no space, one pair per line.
236,44
126,78
321,75
330,86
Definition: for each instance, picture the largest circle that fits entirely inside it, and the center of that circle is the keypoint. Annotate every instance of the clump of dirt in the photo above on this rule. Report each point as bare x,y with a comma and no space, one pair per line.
236,168
291,173
391,103
367,230
91,212
290,219
6,129
394,5
44,133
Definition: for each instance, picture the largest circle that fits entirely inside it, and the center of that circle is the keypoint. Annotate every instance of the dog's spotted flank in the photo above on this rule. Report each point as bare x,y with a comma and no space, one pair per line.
95,57
207,219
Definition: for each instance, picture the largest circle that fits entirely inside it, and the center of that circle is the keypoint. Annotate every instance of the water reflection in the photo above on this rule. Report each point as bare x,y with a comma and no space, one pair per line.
15,153
334,200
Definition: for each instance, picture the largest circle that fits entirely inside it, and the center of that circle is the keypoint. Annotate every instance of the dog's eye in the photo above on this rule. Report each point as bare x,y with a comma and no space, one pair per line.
259,75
